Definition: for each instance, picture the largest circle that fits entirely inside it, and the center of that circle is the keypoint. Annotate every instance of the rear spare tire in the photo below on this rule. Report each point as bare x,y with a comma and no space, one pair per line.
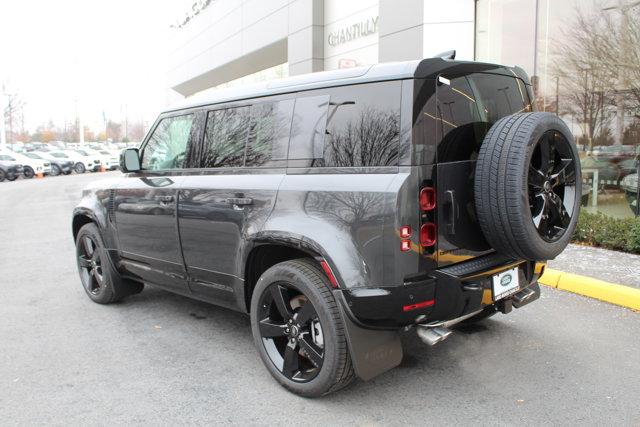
528,186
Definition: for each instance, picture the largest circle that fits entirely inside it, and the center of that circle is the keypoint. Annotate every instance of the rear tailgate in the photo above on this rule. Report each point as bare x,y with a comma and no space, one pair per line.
467,106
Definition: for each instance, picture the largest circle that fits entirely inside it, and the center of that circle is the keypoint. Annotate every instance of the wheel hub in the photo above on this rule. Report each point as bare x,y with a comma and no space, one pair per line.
547,186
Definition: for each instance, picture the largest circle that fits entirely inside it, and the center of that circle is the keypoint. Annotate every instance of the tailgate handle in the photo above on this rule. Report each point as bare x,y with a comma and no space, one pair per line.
450,200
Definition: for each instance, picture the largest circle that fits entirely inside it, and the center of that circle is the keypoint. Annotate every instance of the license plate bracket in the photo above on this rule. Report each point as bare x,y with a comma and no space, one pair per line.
505,284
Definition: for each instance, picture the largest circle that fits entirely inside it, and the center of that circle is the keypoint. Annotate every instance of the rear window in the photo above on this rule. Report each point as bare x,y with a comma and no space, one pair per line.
465,108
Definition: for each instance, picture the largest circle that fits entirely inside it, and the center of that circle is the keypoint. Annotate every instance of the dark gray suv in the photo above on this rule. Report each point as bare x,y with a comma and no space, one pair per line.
339,208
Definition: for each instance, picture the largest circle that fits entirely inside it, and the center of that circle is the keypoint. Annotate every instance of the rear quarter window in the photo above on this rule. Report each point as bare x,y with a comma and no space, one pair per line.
350,126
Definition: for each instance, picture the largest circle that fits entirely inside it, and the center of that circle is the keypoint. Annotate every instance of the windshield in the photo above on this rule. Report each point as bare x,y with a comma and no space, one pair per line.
4,157
60,155
33,155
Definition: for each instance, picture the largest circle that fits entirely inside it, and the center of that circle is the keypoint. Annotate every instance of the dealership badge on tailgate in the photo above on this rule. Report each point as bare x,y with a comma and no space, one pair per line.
505,284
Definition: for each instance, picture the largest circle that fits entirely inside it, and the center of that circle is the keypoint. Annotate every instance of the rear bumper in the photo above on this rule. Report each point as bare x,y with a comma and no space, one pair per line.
441,295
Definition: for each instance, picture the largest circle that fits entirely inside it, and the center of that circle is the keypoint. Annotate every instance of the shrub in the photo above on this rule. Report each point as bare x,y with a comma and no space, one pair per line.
621,234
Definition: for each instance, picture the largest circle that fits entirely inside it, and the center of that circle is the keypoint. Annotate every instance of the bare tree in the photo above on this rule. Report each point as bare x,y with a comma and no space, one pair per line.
585,73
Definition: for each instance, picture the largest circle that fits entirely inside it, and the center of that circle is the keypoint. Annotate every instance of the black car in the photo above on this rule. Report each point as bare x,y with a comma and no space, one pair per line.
10,170
339,208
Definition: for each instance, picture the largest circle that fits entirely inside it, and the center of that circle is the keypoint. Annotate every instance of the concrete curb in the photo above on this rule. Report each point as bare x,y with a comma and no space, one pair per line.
621,295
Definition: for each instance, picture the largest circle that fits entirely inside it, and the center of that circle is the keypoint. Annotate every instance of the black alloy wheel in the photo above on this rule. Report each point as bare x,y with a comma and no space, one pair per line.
291,332
552,185
3,175
80,168
90,265
55,170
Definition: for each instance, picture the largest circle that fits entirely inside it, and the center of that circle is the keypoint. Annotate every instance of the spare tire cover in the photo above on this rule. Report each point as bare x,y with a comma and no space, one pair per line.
528,185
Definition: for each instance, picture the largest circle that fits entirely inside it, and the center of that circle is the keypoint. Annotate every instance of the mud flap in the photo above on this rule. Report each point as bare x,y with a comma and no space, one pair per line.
372,351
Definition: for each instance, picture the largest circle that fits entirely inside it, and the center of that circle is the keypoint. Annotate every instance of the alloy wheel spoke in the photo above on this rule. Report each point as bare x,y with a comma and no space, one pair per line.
271,329
291,364
545,154
306,313
536,177
96,275
281,300
88,246
560,215
540,220
313,353
560,175
84,262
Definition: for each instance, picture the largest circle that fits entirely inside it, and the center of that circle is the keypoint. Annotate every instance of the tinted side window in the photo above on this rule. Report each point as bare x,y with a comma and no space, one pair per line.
167,146
363,126
269,136
308,127
225,137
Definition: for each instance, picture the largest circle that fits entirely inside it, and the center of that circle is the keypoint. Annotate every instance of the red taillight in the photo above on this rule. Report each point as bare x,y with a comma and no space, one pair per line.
405,245
427,198
418,305
329,273
428,234
405,231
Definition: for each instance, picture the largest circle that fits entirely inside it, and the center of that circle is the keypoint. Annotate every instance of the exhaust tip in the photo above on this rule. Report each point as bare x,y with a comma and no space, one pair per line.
432,336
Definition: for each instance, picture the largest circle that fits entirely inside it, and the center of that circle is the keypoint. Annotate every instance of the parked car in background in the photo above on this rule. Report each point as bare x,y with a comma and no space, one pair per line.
82,162
31,166
107,158
10,170
60,162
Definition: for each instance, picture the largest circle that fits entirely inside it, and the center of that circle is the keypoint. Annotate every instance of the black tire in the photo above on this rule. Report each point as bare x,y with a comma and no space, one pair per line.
12,177
100,280
295,278
511,191
28,172
80,168
3,175
55,170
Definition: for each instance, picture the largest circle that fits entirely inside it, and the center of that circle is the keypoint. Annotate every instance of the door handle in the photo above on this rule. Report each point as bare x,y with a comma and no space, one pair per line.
164,200
240,201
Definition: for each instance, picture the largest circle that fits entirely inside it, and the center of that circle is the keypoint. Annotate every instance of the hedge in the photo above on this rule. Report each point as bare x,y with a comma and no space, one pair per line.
597,229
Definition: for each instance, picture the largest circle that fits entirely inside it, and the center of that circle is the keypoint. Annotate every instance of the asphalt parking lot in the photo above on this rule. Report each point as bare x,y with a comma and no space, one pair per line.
159,358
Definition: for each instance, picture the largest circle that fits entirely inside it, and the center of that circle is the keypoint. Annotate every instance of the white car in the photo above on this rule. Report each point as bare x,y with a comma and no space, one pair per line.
83,161
108,159
31,166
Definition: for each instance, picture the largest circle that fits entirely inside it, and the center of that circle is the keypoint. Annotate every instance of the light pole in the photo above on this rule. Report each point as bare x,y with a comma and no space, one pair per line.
619,92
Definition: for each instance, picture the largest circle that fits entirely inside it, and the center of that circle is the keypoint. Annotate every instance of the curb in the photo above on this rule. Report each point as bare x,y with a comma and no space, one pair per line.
621,295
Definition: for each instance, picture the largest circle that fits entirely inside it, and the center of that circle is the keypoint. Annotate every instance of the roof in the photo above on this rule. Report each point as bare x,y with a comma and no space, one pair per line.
426,68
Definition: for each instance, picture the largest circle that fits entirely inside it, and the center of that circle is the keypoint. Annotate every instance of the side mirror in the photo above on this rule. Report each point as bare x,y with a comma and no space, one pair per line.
130,160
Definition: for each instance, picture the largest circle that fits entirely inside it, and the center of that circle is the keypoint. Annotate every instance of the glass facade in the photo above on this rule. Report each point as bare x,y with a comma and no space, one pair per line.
583,57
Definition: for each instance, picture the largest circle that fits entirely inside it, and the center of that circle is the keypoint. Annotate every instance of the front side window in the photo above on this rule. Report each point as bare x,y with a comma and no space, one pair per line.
226,137
167,145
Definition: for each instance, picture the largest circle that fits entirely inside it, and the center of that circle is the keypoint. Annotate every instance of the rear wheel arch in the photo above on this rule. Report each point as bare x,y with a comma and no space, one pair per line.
264,256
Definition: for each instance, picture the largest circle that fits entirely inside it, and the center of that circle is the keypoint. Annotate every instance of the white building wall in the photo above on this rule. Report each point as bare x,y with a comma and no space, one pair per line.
234,38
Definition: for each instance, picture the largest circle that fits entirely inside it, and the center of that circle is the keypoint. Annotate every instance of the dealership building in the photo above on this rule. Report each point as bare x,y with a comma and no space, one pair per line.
581,55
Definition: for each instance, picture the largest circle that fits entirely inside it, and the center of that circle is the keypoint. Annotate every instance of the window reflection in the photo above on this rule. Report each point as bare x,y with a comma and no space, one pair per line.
585,67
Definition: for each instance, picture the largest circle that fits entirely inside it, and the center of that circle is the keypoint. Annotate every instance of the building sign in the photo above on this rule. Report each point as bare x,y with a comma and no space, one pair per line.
354,31
347,63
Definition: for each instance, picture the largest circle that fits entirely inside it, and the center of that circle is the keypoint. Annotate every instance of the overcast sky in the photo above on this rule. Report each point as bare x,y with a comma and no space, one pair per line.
108,55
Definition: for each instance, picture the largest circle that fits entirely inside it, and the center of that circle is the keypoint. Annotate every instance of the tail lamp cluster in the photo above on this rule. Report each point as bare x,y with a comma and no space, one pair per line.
428,230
